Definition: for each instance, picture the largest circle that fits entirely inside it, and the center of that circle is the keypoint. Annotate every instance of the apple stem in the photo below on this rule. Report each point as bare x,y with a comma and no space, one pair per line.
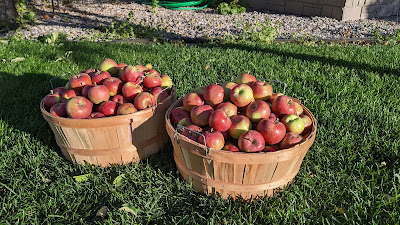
95,84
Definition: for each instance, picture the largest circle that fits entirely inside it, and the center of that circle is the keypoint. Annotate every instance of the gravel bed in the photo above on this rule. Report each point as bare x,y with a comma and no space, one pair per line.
79,19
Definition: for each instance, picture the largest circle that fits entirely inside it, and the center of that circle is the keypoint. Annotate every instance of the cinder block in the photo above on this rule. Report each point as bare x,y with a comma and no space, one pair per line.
353,13
364,16
276,8
370,8
276,2
371,2
332,2
312,5
337,13
350,3
309,11
294,7
310,1
384,10
326,11
257,4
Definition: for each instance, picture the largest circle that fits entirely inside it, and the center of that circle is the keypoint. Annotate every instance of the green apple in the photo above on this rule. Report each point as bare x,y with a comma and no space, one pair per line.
293,123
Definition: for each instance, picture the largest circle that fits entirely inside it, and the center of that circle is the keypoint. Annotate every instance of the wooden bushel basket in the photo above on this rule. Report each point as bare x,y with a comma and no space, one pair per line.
112,140
237,173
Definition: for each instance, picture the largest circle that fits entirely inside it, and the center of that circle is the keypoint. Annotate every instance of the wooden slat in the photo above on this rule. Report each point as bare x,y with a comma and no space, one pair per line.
124,135
282,170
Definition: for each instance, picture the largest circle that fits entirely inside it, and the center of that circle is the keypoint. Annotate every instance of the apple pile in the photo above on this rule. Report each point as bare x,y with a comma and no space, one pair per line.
244,116
113,89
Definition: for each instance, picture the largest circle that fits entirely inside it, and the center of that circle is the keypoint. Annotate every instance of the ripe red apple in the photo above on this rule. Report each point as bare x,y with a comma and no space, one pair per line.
291,139
166,81
229,108
131,74
191,100
185,122
152,71
219,120
100,76
89,71
307,124
108,108
121,67
271,148
114,85
299,108
246,78
293,123
159,94
144,100
200,114
190,134
179,113
79,107
141,68
59,110
52,99
228,86
272,116
131,90
152,81
213,140
242,95
110,66
69,94
251,141
230,147
98,94
85,90
273,131
126,108
95,115
240,124
213,94
262,90
283,105
257,111
60,90
274,96
119,99
79,81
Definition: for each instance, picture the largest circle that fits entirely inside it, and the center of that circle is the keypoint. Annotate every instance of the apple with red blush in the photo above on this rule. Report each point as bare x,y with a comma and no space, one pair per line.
114,85
229,108
188,132
126,108
228,86
242,95
257,111
246,78
219,120
240,124
273,131
262,90
119,99
213,94
251,141
144,100
190,100
214,140
200,114
100,76
159,94
274,96
283,105
79,81
69,94
131,90
293,123
79,107
59,110
52,99
291,139
307,124
179,113
108,108
99,94
131,74
95,115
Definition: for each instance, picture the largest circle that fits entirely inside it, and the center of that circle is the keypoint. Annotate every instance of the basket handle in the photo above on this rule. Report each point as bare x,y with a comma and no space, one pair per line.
162,90
51,83
180,127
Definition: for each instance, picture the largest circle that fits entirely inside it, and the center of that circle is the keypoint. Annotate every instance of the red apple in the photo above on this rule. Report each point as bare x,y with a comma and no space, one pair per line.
141,68
240,124
166,81
272,116
95,115
120,65
131,90
131,74
178,113
307,124
293,123
271,148
299,108
152,71
152,81
159,94
191,100
291,139
79,81
257,111
283,105
85,90
100,76
200,114
119,99
246,78
225,134
69,94
213,139
98,94
251,141
219,120
144,100
213,94
273,131
114,85
228,86
52,99
110,66
126,108
185,122
59,110
190,134
274,96
79,107
60,90
108,108
229,108
89,71
242,95
230,148
262,90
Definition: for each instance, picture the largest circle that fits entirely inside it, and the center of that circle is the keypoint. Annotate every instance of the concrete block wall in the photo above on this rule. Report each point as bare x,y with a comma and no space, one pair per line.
338,9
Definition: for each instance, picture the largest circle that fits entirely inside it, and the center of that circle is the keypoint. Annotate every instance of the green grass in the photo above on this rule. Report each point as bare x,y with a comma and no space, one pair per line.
350,175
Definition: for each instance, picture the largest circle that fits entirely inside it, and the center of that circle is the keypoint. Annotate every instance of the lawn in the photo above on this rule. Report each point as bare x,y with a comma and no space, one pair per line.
350,175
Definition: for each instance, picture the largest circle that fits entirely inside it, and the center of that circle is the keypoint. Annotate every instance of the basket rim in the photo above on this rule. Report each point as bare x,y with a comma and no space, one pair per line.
309,138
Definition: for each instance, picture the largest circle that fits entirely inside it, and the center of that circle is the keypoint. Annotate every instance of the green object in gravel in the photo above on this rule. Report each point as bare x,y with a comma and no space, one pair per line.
181,4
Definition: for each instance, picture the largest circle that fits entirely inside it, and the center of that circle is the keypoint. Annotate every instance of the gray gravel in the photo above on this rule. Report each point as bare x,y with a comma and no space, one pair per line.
79,19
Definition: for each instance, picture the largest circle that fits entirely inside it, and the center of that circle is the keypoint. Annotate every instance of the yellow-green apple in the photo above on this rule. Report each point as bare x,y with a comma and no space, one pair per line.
69,94
230,147
95,115
85,90
149,66
213,94
291,139
67,87
159,94
242,95
229,108
271,148
307,124
228,86
152,81
131,90
109,65
79,107
166,81
273,131
190,134
114,85
52,99
144,100
240,124
200,114
60,90
178,113
213,140
293,123
219,120
185,122
108,108
99,77
251,141
190,100
246,78
79,81
257,111
299,108
274,96
99,94
126,108
283,105
59,110
262,90
131,74
119,99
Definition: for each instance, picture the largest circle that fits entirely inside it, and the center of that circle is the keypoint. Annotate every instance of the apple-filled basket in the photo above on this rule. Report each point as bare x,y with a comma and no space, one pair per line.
233,170
109,135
